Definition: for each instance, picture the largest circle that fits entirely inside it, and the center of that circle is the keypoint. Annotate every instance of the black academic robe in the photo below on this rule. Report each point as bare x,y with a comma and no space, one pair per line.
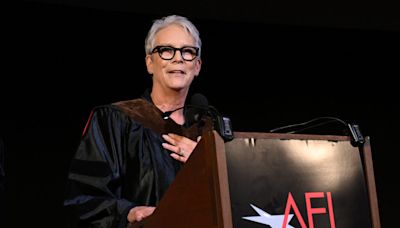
120,163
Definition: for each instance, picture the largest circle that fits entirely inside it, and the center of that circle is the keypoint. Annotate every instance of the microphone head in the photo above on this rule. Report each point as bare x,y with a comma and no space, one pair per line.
199,100
197,107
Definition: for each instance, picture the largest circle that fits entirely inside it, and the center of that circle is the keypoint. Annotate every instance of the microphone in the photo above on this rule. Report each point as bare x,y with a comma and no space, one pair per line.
200,107
197,108
357,138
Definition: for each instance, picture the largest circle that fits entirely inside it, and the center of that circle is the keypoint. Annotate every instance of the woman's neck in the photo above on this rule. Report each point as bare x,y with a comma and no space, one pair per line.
169,102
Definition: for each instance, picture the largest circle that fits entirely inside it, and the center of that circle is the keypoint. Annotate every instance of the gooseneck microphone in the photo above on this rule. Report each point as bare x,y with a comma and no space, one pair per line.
357,138
197,109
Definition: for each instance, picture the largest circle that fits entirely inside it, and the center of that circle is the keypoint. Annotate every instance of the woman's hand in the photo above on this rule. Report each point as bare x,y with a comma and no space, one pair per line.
181,146
136,214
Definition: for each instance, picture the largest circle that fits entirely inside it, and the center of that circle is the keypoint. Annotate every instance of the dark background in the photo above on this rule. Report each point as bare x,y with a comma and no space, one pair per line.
265,65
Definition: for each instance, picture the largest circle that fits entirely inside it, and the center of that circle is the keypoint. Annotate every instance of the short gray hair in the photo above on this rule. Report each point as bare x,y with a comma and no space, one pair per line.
170,20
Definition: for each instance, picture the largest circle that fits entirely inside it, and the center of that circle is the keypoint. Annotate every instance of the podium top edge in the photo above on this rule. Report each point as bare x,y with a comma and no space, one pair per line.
266,135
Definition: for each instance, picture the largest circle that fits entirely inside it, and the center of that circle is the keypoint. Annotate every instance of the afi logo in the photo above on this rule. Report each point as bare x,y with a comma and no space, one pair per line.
290,203
282,221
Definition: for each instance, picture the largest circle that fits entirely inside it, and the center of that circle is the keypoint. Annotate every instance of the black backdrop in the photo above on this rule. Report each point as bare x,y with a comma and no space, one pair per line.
63,60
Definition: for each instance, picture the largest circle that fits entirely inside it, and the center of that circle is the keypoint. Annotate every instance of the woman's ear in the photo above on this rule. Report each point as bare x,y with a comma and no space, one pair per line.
197,67
149,64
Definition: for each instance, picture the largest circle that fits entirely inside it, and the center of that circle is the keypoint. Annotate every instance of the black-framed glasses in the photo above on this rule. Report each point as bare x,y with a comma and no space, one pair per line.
188,53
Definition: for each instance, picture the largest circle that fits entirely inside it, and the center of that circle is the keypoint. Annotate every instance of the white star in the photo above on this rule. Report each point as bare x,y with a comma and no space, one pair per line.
274,221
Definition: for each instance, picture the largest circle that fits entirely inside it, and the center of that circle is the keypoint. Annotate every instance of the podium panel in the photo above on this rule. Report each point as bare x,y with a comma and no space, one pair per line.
297,180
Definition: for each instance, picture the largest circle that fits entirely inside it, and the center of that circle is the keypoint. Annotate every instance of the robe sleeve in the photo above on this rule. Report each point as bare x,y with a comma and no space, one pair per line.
94,189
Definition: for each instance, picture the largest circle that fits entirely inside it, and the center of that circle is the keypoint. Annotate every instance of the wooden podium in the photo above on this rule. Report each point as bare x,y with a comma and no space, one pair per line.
258,179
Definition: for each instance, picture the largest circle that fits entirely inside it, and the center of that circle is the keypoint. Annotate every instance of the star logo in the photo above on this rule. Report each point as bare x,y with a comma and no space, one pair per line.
274,221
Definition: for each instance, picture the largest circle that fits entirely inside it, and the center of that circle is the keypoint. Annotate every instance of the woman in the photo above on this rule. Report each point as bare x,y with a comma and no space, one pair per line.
129,154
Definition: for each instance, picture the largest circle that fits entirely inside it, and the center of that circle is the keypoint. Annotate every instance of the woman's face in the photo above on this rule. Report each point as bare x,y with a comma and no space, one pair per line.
176,73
